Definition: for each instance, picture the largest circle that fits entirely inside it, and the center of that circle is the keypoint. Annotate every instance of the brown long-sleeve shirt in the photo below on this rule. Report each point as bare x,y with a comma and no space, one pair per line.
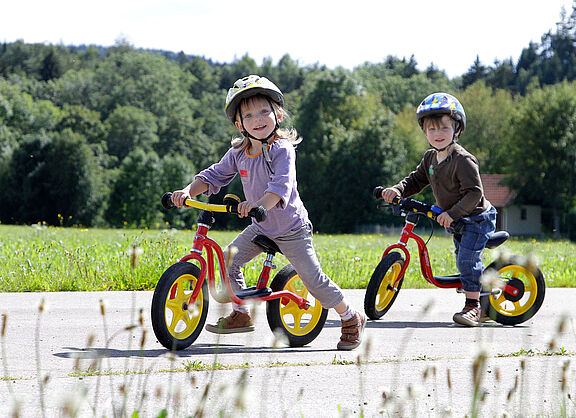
455,182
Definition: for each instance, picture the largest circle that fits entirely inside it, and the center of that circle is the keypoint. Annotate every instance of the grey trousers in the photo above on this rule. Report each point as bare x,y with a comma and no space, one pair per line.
298,248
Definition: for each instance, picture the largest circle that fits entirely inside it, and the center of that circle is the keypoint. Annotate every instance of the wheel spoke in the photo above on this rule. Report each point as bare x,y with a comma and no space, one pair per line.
500,298
292,309
177,316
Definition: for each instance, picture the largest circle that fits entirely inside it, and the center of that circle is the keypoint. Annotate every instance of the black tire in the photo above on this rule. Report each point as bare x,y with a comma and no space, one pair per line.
300,326
509,309
379,295
175,326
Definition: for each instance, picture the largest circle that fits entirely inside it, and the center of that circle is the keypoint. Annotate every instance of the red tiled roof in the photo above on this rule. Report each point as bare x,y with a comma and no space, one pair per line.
498,194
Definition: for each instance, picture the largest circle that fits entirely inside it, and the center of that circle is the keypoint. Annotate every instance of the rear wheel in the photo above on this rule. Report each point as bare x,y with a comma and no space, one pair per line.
177,324
380,295
300,326
518,292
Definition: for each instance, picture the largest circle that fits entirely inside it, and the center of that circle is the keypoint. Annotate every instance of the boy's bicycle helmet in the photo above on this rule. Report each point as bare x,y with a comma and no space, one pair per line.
442,104
247,87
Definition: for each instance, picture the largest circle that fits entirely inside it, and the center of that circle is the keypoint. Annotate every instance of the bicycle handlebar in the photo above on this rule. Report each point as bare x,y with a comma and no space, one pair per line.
259,213
412,205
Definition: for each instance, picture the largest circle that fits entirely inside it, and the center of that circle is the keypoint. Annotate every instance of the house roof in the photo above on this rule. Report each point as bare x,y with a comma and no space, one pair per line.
498,194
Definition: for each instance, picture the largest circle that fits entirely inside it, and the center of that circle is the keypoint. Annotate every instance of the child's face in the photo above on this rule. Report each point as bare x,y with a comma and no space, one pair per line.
440,132
258,117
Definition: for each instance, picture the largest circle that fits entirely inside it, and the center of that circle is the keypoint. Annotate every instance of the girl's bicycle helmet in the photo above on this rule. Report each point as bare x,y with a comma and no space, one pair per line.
247,87
442,104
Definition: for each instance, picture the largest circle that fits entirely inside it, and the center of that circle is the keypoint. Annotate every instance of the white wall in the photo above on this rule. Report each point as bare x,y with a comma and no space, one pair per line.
513,223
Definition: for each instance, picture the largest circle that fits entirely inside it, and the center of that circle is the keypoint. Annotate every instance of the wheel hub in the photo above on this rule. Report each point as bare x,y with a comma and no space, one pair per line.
514,290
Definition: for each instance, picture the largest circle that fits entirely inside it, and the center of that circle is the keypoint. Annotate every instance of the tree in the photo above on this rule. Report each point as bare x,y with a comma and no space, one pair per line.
51,178
543,153
488,114
142,179
130,128
475,73
51,66
502,76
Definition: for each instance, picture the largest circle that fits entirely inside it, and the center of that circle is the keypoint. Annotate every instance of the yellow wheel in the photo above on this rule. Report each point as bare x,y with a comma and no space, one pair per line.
300,326
177,324
380,294
518,292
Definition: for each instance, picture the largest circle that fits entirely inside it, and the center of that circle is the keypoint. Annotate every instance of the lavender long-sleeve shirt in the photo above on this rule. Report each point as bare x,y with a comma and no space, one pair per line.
257,179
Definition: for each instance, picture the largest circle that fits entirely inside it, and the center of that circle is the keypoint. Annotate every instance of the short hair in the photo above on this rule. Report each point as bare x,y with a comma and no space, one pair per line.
435,121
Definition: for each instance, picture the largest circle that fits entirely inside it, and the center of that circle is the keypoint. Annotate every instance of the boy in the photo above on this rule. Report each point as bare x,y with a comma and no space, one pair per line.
453,174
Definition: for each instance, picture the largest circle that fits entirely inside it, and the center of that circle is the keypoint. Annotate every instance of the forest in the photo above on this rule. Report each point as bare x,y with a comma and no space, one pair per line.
93,136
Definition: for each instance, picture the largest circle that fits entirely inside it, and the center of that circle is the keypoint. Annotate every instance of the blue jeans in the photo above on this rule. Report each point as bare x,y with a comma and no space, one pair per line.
469,246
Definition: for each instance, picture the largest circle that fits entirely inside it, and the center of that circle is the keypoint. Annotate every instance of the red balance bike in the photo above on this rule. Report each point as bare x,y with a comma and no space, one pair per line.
181,298
513,295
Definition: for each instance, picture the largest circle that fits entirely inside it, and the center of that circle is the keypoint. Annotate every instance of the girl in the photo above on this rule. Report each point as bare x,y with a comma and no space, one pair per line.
264,156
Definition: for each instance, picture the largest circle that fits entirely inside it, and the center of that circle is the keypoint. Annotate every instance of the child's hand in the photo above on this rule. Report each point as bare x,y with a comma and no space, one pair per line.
179,197
244,208
444,219
389,194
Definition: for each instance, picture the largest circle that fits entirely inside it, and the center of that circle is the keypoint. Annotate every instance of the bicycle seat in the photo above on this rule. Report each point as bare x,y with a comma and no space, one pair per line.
497,238
266,244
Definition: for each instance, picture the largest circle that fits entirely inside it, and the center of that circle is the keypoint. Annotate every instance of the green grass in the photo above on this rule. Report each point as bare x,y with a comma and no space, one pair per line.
40,258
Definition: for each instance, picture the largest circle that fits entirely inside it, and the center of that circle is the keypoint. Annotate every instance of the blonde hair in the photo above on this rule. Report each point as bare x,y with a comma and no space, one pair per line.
289,134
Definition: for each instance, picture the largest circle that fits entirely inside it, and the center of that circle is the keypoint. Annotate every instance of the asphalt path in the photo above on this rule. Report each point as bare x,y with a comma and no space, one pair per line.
83,353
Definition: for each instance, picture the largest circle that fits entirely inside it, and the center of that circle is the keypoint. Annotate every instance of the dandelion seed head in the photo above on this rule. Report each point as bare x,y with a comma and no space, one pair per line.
428,306
490,280
103,304
385,393
552,344
170,356
503,255
17,406
562,323
143,339
532,263
134,252
448,411
279,340
72,401
193,308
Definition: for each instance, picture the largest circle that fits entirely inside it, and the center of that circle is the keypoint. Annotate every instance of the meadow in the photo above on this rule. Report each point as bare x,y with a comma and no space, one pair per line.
44,258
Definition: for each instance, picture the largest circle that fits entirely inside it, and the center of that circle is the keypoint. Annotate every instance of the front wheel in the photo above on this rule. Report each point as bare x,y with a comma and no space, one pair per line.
380,294
519,291
300,326
177,324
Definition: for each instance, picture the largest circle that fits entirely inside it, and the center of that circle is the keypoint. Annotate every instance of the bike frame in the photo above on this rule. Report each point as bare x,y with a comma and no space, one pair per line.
207,268
425,267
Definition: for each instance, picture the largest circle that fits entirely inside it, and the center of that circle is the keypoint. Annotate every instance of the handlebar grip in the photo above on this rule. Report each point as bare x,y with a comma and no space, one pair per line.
260,213
167,201
377,192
